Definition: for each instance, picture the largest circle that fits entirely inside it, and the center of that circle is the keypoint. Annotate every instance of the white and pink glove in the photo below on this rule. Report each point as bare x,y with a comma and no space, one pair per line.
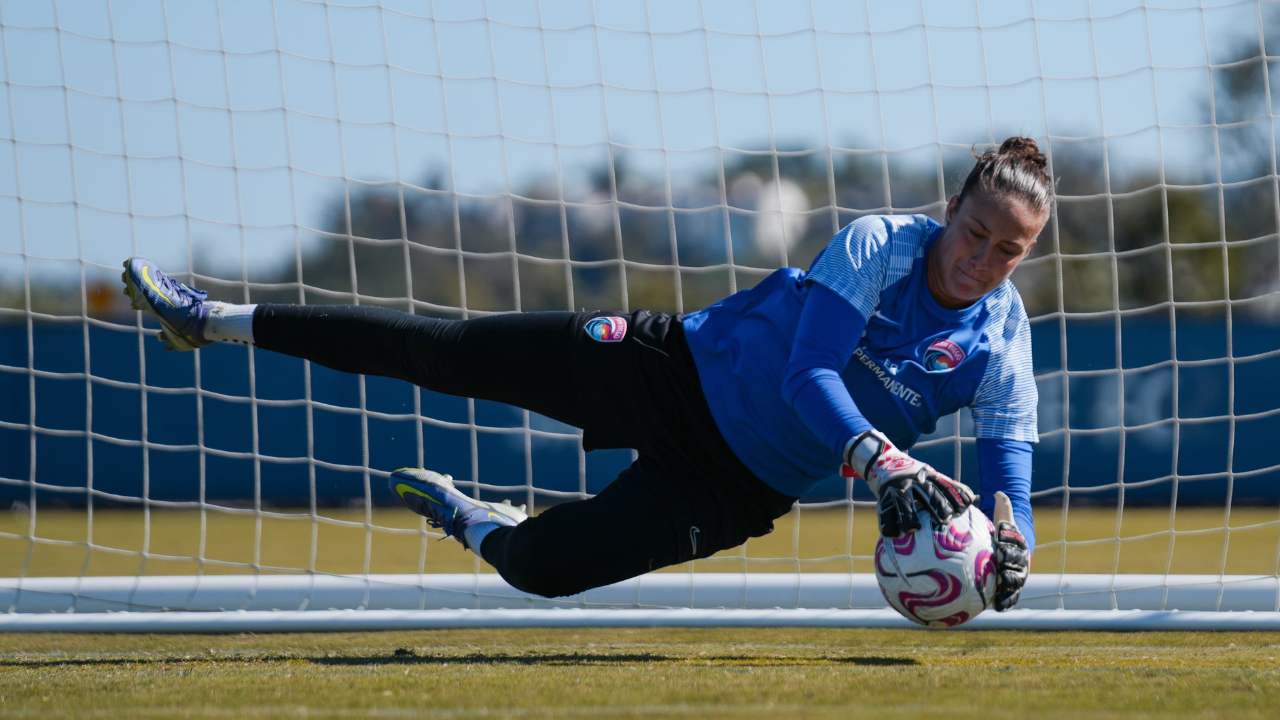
1011,558
901,483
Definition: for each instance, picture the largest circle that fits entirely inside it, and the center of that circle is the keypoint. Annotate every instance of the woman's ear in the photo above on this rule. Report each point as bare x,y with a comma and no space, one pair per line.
952,205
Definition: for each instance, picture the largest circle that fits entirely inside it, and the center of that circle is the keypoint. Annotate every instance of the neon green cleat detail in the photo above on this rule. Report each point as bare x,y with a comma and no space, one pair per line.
433,496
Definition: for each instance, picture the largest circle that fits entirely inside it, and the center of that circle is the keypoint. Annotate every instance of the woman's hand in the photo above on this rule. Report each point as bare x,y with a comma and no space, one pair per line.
901,483
1010,556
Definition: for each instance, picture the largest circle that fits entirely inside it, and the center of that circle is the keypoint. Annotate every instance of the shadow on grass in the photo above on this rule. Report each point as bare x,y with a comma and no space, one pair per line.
408,657
601,659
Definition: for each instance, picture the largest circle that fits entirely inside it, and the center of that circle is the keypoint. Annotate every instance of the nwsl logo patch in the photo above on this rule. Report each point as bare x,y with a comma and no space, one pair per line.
943,355
607,329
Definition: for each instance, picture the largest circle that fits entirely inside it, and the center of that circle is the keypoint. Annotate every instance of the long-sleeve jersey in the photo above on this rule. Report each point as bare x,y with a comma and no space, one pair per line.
790,382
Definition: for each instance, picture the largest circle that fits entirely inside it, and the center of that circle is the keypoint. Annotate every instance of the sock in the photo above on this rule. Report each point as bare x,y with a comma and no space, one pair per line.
232,323
476,534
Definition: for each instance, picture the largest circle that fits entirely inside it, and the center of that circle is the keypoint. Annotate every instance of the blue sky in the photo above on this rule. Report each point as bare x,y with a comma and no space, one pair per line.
224,129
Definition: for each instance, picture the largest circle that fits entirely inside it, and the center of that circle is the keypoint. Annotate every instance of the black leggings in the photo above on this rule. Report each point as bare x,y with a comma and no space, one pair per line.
687,495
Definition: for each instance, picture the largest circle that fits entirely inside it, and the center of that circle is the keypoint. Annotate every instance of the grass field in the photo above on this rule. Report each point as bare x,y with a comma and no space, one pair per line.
657,673
1195,540
642,673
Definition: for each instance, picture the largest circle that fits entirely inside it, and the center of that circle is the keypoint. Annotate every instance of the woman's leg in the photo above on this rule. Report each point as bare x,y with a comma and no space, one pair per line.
648,518
522,359
627,530
628,381
686,497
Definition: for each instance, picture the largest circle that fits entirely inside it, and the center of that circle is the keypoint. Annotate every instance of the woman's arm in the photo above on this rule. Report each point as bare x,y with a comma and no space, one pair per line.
829,330
1005,466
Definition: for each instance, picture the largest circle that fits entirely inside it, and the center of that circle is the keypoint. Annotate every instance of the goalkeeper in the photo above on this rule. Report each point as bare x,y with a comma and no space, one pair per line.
736,410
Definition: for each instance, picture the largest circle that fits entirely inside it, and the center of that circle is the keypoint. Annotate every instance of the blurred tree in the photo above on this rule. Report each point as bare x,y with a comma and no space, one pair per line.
535,250
1132,240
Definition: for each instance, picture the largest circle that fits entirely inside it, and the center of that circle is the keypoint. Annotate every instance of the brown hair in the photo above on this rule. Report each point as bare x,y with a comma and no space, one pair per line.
1017,168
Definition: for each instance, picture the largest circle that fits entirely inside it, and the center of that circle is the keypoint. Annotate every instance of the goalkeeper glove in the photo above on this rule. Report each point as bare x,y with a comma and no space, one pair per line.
899,482
1012,562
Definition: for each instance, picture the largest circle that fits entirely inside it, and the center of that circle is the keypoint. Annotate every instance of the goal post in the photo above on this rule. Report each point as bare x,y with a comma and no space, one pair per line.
458,160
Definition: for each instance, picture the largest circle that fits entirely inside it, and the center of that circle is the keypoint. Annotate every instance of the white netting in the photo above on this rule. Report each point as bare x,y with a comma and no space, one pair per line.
459,159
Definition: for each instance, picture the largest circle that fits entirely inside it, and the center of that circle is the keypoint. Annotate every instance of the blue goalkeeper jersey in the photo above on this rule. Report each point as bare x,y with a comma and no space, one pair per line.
915,361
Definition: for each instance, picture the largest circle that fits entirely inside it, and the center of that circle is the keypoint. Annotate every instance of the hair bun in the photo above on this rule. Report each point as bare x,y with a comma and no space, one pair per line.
1017,168
1026,149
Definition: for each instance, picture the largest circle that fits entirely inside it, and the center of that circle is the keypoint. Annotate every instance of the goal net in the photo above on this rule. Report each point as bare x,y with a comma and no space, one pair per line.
463,159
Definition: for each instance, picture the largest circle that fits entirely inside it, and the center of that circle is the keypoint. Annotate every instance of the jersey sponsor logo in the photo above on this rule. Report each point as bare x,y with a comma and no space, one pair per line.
943,355
894,387
607,329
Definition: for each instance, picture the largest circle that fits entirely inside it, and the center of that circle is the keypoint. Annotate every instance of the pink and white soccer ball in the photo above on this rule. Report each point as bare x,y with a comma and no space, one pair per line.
939,577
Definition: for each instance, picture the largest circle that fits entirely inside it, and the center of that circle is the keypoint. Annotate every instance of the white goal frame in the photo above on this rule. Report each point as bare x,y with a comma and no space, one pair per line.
424,602
673,146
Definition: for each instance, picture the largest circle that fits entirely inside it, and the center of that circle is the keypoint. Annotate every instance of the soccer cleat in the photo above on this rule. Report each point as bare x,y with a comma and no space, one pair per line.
182,310
433,496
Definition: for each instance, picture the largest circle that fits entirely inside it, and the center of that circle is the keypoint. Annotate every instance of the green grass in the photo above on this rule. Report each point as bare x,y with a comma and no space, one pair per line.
644,673
640,673
127,542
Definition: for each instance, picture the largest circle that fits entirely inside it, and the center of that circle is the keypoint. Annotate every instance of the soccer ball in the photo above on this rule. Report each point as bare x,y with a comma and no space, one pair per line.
939,577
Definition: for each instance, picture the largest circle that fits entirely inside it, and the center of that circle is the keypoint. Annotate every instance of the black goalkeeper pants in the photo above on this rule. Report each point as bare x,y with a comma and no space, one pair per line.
687,495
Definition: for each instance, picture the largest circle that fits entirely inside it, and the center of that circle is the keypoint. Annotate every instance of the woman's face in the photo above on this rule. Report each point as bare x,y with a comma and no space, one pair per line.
985,239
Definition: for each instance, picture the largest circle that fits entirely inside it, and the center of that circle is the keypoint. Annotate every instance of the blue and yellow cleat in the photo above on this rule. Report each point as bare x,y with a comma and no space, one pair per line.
182,310
433,496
